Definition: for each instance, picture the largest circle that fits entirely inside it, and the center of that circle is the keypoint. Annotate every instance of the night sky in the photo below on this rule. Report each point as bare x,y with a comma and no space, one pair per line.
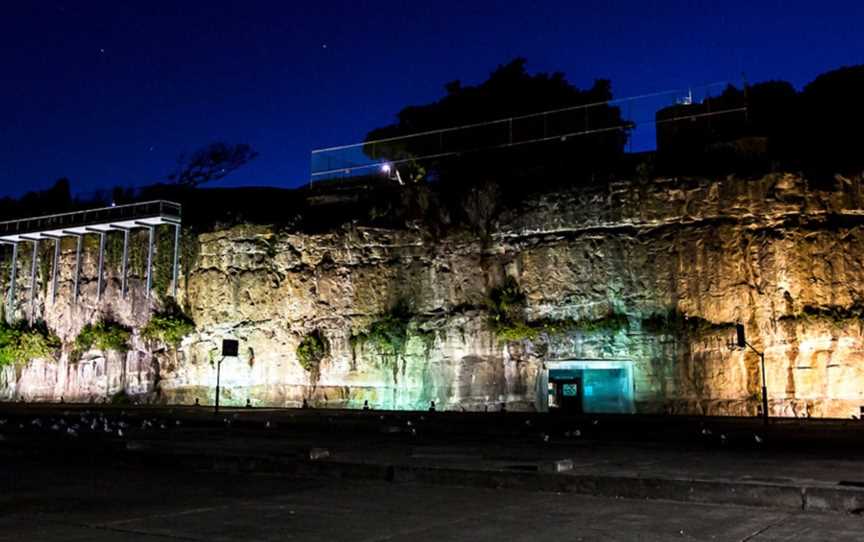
110,94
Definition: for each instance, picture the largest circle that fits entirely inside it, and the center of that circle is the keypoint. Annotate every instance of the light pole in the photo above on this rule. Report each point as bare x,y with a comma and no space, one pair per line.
218,375
742,343
230,349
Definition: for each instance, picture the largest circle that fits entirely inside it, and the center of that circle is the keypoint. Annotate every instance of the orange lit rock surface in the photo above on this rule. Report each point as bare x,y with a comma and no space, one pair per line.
680,260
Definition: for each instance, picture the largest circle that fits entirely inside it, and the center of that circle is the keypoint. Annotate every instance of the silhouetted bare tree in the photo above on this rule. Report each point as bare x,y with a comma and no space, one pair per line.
211,163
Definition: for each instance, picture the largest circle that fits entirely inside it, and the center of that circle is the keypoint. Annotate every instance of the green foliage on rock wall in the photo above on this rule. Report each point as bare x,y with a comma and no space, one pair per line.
611,322
104,335
46,263
388,335
20,343
311,350
675,322
163,260
138,240
168,326
121,398
113,249
523,330
506,306
506,303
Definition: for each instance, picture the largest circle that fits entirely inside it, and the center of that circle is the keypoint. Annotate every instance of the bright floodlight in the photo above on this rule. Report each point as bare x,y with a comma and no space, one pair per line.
385,168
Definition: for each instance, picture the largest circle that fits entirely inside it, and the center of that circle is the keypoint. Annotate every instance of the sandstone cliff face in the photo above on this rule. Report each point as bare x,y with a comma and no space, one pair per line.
783,259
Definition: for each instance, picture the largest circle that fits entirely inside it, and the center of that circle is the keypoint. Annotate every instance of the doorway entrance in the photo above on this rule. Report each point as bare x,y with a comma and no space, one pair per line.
577,386
565,395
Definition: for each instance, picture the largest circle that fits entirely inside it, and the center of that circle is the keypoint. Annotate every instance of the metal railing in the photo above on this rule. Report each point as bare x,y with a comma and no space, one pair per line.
105,215
635,116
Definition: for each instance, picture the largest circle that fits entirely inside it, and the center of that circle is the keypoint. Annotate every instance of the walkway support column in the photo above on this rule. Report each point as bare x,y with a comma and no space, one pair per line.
176,258
78,246
125,264
54,272
10,306
101,266
150,240
33,281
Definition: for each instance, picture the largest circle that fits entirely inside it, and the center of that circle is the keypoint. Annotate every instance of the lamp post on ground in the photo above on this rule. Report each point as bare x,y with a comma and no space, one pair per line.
230,349
742,343
218,375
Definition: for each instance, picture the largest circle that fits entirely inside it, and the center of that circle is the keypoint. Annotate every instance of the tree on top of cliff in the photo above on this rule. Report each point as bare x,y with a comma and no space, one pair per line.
832,108
485,147
56,199
815,130
211,163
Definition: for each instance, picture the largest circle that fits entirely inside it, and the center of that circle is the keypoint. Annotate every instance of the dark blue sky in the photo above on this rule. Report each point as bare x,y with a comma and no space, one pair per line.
109,93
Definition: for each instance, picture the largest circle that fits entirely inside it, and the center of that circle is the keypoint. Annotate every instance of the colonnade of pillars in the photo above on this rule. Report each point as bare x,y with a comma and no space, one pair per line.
76,280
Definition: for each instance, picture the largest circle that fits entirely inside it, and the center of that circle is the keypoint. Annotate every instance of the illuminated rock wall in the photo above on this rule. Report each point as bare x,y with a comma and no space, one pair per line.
783,259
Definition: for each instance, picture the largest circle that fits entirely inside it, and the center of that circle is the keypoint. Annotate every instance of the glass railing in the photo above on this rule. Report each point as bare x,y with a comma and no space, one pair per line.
634,122
92,217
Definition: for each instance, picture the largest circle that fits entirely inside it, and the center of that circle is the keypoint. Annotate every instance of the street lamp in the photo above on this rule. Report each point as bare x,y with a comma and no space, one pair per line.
230,349
392,173
742,343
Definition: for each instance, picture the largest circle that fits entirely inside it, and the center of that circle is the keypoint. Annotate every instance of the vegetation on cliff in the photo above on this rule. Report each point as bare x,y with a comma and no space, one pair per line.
388,334
506,306
20,343
121,398
675,322
611,322
104,335
311,350
168,326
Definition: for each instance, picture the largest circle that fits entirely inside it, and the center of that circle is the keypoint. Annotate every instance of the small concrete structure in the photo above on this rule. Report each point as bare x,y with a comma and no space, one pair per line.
591,385
55,227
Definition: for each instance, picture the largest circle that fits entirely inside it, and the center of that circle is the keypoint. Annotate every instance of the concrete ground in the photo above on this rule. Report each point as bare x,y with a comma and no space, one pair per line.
91,473
109,502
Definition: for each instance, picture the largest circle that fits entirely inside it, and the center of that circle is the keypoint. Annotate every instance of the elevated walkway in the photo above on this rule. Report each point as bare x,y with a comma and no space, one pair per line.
135,215
125,218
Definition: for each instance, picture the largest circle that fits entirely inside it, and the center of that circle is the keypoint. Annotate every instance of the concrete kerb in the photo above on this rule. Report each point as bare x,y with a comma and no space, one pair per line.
834,499
788,497
314,462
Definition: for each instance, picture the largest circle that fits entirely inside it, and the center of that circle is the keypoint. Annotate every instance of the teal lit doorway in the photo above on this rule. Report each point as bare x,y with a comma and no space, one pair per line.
565,395
590,386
